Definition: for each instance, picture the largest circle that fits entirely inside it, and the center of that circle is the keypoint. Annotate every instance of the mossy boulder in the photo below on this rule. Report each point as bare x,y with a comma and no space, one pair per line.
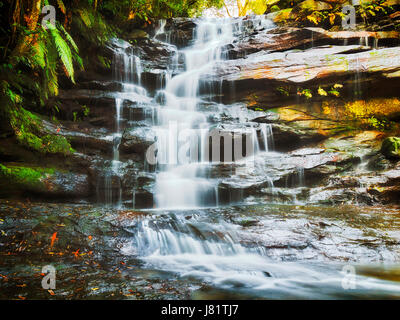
31,134
391,148
17,181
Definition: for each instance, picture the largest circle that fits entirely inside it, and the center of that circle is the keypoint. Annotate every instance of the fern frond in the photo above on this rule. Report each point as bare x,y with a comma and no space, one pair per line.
86,17
68,38
51,77
39,51
64,53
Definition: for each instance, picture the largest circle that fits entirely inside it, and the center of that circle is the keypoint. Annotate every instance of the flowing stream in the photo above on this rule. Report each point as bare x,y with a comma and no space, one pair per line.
181,234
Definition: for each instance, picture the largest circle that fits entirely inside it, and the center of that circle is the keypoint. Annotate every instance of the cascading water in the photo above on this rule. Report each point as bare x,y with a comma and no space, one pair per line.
198,240
179,185
185,184
127,71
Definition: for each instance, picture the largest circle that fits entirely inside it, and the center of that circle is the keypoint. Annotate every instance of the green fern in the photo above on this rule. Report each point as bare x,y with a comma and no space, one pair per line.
64,53
68,37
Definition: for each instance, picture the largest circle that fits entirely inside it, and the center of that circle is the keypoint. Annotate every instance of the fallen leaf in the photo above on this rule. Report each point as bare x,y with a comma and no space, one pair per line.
76,253
53,238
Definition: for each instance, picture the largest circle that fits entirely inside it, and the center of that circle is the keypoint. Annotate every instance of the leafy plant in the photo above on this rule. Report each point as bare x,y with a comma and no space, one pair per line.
283,91
306,93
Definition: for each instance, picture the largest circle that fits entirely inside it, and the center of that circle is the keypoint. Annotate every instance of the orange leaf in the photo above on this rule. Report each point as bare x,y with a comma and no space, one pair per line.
53,238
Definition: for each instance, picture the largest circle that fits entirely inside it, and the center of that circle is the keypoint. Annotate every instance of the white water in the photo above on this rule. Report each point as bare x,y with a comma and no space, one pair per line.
127,70
178,186
211,251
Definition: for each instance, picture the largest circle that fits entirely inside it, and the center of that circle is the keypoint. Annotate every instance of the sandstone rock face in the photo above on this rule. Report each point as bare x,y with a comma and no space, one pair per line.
313,64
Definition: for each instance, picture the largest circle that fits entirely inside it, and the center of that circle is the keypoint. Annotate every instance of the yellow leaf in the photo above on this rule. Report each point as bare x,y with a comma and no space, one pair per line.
313,19
332,18
322,92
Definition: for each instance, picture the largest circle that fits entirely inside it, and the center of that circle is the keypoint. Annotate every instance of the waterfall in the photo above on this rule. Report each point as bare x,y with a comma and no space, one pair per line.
211,243
183,132
178,185
127,70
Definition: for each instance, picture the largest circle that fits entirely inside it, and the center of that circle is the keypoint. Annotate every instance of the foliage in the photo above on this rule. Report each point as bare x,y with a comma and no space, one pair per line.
27,176
283,91
391,147
373,107
305,92
329,13
322,92
379,124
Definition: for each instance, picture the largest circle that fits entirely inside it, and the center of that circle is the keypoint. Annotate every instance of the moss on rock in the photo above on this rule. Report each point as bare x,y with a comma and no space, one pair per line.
29,132
19,178
391,148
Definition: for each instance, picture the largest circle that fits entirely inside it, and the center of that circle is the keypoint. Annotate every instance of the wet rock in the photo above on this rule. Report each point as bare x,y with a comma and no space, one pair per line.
143,199
269,117
179,31
68,185
108,187
137,140
52,184
391,148
378,162
387,195
90,143
329,196
101,85
246,222
287,138
72,103
279,39
100,121
313,169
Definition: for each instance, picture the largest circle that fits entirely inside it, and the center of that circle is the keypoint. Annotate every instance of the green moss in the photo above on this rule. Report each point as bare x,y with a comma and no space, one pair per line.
28,130
24,177
56,144
391,148
30,140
